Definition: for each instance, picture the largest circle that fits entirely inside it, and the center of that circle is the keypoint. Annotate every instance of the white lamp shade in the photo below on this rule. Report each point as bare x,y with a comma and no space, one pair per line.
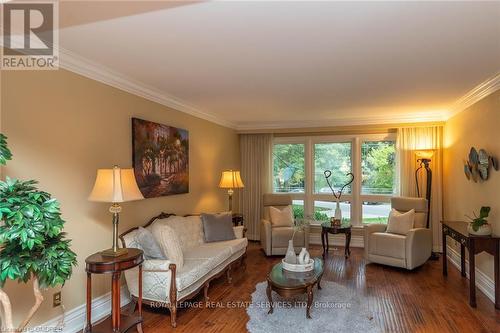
115,185
231,179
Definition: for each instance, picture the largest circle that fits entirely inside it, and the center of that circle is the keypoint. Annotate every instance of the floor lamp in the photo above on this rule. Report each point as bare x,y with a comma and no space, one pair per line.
424,159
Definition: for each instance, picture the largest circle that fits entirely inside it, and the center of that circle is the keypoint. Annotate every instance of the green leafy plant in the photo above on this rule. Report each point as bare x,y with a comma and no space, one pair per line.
33,245
480,220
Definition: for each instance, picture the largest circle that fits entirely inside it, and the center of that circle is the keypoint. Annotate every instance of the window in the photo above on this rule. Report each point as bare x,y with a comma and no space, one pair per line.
378,167
376,212
298,209
288,168
324,210
335,157
299,165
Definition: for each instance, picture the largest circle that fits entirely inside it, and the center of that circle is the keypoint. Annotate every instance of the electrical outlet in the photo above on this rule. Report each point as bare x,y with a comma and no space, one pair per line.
56,299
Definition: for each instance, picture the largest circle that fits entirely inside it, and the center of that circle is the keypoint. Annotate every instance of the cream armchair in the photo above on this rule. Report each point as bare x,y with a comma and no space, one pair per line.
274,240
407,251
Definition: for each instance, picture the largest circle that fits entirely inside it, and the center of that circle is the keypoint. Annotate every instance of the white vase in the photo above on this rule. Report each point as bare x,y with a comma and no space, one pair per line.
484,230
291,257
338,212
304,256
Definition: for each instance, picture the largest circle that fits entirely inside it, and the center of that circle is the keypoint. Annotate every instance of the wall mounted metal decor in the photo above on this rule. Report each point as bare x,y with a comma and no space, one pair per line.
479,164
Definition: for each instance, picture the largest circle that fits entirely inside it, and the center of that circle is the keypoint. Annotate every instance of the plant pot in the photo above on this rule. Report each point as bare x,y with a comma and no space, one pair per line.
484,230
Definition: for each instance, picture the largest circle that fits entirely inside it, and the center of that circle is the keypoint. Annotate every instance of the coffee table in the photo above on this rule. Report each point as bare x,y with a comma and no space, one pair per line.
287,284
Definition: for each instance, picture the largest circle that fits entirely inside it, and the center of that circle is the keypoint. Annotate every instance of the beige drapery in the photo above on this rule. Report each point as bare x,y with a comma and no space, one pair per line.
409,141
256,163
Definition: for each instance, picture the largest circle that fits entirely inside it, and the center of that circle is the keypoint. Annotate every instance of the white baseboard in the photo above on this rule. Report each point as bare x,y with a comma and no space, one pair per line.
483,281
337,240
75,319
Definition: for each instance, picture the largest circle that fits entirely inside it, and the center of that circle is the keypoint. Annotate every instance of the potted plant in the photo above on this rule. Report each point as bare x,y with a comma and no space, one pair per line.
32,242
479,224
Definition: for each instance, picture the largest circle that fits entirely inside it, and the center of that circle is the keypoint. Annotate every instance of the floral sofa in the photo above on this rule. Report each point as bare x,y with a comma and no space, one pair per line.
164,284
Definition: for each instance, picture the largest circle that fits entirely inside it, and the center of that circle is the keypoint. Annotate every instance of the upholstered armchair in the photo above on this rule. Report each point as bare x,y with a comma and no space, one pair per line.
274,240
407,251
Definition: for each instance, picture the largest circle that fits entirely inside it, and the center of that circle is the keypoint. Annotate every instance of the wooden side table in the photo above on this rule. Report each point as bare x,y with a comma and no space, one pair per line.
238,219
327,228
98,264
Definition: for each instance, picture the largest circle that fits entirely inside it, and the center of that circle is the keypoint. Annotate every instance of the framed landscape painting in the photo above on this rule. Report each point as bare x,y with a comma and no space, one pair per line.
160,158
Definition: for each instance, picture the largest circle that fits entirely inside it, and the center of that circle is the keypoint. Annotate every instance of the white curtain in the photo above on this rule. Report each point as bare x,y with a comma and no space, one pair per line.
410,141
256,162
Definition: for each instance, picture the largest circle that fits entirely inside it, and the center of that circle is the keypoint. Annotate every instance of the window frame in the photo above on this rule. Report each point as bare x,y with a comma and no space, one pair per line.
356,198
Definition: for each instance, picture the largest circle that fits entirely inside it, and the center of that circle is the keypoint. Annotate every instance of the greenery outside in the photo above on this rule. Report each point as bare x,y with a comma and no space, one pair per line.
378,167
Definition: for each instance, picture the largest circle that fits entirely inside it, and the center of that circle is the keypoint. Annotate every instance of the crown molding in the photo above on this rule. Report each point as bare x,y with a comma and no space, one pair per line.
355,121
475,95
85,67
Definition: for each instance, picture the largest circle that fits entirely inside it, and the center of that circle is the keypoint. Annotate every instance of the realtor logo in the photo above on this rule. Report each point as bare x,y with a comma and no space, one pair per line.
30,36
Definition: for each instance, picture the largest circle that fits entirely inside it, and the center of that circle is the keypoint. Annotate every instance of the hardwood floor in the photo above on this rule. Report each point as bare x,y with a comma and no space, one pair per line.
401,301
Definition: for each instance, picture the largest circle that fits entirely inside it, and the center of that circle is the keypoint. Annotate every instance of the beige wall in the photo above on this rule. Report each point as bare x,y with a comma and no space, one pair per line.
62,127
478,126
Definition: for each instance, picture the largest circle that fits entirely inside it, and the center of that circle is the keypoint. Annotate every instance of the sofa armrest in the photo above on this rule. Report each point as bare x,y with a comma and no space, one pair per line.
156,265
370,229
418,247
158,280
375,227
239,231
265,236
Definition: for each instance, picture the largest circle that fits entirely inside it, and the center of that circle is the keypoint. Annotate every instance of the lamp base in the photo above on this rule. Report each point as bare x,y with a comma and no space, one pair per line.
112,253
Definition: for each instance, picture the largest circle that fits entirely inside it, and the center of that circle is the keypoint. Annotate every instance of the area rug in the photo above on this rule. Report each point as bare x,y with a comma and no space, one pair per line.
335,308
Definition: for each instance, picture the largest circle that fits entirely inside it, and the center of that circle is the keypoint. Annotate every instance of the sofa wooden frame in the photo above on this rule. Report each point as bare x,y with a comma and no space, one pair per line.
172,305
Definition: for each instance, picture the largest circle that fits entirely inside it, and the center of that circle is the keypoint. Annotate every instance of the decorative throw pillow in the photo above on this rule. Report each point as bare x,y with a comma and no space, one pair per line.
217,227
169,244
148,244
281,217
400,223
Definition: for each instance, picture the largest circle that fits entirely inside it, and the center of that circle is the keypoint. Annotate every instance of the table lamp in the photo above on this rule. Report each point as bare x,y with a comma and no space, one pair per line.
115,186
231,179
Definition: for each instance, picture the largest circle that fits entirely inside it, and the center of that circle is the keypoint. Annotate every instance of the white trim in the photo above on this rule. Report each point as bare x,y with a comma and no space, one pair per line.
475,95
371,120
483,281
337,240
85,67
75,319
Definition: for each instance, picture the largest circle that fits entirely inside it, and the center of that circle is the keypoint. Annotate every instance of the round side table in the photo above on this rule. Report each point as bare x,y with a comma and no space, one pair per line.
327,228
99,264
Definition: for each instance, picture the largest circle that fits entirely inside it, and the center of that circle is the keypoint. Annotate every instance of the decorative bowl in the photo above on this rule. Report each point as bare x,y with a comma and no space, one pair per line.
298,267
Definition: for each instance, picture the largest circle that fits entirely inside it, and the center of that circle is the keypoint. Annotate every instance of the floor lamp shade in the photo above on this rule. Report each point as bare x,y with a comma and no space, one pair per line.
115,186
231,179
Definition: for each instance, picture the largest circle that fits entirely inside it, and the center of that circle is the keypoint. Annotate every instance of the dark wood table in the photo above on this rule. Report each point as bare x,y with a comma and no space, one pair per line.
328,228
288,284
98,264
475,245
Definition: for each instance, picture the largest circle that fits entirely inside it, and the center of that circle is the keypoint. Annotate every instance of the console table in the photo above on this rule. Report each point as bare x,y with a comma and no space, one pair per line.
475,245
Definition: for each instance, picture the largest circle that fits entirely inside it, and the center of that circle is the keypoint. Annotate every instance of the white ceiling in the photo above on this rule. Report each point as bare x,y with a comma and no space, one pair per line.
296,64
